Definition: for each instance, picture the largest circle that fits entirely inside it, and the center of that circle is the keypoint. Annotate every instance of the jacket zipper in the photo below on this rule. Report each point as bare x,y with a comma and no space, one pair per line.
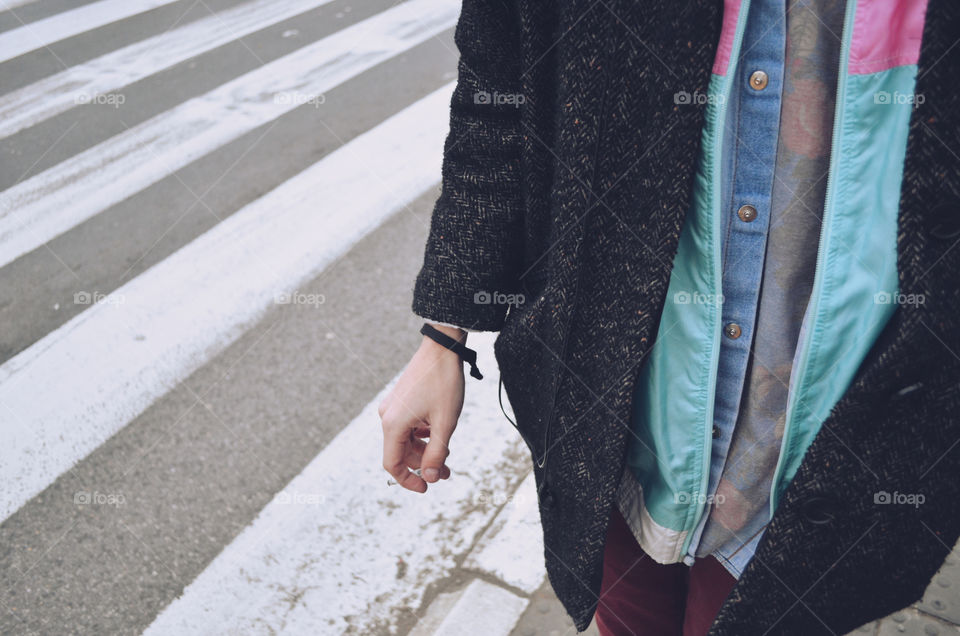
729,78
802,361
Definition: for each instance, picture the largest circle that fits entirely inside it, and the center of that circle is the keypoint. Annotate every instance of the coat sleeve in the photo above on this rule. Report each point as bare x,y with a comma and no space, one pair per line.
475,241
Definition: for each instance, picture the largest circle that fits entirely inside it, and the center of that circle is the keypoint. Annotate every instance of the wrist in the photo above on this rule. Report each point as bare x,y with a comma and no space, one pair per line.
454,344
454,332
436,352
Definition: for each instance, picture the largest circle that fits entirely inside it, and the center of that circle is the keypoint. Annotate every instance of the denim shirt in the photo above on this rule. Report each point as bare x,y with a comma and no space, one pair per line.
776,149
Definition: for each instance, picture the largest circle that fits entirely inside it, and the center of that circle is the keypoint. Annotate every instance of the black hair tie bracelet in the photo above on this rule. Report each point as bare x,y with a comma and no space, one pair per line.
466,354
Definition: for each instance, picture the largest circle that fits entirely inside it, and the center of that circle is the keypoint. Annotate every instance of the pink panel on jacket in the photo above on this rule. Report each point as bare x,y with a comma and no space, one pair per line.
731,11
886,33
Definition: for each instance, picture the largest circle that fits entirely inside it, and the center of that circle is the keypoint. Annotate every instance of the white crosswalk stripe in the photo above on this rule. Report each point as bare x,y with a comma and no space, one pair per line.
82,83
6,5
339,554
336,549
44,32
40,208
115,358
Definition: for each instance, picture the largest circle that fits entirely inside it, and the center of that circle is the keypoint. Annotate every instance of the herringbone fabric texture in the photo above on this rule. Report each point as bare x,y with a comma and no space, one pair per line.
576,197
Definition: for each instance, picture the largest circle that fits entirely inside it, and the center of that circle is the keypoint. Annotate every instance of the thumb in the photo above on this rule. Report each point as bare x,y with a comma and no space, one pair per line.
438,448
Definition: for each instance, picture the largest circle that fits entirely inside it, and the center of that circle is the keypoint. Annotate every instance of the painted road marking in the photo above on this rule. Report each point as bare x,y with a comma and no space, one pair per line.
50,203
93,80
111,361
351,551
61,26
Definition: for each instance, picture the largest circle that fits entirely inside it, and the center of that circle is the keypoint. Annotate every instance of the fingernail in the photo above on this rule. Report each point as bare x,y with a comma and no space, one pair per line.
431,474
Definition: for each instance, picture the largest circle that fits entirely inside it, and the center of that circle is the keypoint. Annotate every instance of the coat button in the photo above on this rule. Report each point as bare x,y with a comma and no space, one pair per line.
945,221
945,231
546,499
819,509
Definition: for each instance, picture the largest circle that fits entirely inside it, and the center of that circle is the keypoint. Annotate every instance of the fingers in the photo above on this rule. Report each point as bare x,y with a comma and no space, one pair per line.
384,405
422,432
414,455
438,448
397,449
404,453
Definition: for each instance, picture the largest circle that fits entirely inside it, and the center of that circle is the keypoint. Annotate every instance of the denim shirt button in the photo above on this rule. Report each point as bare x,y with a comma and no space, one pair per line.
747,213
758,80
732,330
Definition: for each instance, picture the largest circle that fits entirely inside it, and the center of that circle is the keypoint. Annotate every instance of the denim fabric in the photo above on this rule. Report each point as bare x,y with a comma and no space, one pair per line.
749,156
800,50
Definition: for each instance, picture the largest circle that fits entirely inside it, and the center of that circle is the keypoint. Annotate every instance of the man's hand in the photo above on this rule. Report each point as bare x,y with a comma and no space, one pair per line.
425,402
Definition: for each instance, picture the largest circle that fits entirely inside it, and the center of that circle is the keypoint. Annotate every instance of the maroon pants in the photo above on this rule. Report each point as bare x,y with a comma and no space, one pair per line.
642,597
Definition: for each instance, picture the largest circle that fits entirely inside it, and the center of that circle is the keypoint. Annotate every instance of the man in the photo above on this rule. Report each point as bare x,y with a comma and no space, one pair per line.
735,229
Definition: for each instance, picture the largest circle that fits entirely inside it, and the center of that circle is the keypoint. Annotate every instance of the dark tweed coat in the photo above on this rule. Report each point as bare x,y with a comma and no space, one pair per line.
576,198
